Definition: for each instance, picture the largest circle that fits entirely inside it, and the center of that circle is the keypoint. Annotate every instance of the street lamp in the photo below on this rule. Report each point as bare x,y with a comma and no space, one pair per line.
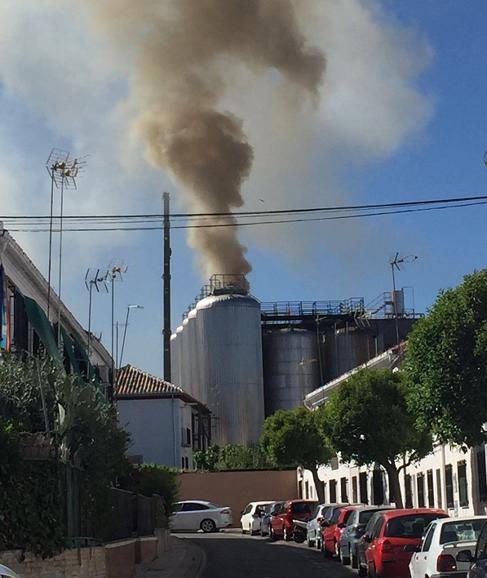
129,307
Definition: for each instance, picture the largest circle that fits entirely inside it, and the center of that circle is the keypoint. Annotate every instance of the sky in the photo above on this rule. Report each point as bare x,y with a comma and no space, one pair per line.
400,116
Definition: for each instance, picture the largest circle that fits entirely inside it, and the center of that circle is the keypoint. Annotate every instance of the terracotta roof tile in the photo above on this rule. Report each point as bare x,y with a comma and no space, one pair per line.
132,381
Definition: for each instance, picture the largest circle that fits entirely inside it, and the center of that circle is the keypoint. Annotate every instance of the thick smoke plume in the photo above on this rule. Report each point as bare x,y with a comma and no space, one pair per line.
184,54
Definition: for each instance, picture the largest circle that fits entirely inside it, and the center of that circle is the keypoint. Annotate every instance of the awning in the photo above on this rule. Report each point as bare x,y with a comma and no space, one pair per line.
70,351
43,328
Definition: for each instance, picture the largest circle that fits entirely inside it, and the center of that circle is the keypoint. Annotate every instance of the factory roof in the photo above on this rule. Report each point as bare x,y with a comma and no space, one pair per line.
133,383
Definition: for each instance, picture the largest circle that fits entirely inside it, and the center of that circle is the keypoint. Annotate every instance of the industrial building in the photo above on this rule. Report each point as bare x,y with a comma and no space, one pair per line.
245,359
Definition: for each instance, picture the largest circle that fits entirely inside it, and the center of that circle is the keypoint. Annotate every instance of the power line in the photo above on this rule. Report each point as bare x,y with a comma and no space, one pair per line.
258,223
159,216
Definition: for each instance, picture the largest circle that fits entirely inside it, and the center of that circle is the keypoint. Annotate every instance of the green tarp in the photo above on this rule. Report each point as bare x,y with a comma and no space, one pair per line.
70,351
43,328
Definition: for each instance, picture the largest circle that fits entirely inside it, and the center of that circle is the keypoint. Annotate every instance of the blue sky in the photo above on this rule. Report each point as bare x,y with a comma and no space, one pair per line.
436,152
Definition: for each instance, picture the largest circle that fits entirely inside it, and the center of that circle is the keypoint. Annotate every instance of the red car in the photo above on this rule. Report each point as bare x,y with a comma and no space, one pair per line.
282,520
392,540
333,528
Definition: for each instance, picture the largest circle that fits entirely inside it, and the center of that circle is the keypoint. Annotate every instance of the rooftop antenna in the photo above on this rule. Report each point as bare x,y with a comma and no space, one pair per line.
63,171
116,271
395,263
94,278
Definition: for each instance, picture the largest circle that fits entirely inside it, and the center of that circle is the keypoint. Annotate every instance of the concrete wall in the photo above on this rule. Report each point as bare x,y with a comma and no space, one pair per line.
115,560
155,429
237,489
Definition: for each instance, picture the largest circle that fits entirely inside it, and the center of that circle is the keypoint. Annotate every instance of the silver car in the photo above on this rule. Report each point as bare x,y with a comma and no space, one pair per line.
7,573
313,527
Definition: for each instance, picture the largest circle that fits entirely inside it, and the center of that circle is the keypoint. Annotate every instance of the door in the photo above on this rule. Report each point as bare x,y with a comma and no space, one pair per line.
245,520
420,560
191,515
479,569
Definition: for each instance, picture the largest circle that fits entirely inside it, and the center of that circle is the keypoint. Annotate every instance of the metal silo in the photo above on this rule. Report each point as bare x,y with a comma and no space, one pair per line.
291,367
228,334
175,354
192,379
185,357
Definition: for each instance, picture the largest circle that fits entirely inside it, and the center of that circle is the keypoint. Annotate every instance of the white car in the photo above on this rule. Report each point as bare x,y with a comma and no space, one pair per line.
313,527
200,515
7,573
442,541
250,520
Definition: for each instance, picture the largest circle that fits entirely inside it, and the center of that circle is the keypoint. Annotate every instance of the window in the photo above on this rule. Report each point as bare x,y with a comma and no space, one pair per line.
188,436
428,538
354,490
420,486
481,474
248,509
462,483
302,507
431,491
306,490
409,491
449,486
364,499
333,491
377,527
344,489
439,499
365,516
182,463
193,507
411,526
463,530
378,488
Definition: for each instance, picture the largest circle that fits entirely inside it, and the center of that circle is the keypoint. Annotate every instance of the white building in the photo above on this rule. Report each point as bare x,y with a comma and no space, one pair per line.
165,423
447,478
24,324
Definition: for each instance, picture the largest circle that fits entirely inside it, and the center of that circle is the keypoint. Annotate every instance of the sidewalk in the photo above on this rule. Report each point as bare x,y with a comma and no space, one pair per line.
183,559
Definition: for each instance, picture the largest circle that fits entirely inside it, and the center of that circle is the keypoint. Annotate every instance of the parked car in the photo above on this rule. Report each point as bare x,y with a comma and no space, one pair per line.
7,573
282,520
200,515
386,555
443,540
332,528
354,531
265,520
478,562
313,527
251,515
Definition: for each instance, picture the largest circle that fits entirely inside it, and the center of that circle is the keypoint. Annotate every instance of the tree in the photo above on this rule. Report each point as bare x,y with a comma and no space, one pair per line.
293,438
368,421
446,364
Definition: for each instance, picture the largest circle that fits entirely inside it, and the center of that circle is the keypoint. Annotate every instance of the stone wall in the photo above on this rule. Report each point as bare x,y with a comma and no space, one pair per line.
114,560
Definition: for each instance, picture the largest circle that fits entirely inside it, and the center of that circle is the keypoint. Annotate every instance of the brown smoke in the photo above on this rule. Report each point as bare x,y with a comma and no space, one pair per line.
184,52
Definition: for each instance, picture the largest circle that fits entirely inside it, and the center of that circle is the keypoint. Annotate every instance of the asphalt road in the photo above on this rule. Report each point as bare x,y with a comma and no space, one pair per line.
233,555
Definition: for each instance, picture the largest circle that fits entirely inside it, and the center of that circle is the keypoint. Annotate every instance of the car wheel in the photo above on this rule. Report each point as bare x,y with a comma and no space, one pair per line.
310,543
336,550
362,571
345,560
318,544
272,535
208,526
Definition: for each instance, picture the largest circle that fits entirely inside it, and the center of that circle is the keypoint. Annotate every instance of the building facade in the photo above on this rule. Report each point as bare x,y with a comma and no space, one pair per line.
449,477
27,329
166,425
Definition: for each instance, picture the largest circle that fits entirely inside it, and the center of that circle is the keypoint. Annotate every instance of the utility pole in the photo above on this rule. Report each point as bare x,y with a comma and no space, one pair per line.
167,289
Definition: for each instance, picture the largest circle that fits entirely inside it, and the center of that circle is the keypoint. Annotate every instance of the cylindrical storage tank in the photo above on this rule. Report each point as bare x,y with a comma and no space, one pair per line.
186,357
230,366
192,386
179,357
291,368
175,354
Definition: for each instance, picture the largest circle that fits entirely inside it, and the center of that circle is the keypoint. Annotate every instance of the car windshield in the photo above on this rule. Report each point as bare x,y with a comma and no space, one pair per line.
302,508
333,519
364,517
408,526
461,531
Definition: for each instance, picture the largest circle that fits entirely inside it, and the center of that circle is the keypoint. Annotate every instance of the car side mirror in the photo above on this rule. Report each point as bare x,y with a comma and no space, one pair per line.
412,548
465,556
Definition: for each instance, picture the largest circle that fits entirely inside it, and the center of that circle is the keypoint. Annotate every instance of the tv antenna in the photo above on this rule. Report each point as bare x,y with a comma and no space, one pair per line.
97,279
396,262
116,271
